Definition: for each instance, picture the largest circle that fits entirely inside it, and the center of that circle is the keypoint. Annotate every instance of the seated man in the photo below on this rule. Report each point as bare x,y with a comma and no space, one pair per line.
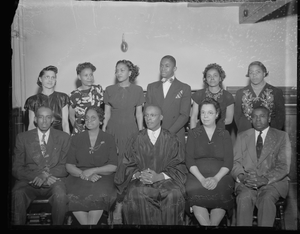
38,166
152,175
262,158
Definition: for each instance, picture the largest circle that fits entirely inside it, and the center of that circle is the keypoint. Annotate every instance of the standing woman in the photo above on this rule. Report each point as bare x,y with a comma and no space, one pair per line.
123,113
258,93
84,96
91,163
123,105
58,102
213,78
209,158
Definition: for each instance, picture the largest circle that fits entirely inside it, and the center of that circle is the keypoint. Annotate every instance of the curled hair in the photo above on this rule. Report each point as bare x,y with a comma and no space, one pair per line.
82,66
170,57
42,72
131,67
213,102
98,110
216,67
261,65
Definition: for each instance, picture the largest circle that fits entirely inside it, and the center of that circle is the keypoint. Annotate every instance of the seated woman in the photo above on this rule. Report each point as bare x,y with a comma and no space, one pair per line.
91,162
209,158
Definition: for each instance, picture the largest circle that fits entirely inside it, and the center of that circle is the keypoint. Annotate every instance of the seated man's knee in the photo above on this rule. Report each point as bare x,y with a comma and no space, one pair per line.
244,197
59,191
268,196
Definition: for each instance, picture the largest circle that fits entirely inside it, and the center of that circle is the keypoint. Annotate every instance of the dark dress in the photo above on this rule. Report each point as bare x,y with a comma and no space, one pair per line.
82,99
160,203
223,97
56,101
86,195
123,101
246,100
209,157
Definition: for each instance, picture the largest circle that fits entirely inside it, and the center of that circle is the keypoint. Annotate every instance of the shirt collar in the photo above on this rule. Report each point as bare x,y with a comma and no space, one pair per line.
169,80
264,132
40,134
155,133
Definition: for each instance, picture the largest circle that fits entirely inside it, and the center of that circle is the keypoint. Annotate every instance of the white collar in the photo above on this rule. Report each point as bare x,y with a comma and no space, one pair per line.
40,134
155,133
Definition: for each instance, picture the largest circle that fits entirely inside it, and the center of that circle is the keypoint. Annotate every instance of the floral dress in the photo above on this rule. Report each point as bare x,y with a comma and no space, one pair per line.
246,100
80,100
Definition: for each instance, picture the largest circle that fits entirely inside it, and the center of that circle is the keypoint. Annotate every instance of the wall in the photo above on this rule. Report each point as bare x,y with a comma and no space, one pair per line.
65,32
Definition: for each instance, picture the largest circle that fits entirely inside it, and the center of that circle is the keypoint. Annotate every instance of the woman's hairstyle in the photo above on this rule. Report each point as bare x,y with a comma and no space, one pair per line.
42,72
82,66
213,102
218,68
98,110
131,67
258,63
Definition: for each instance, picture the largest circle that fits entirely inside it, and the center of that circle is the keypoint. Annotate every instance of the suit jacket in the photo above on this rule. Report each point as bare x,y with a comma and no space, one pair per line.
176,105
28,161
274,162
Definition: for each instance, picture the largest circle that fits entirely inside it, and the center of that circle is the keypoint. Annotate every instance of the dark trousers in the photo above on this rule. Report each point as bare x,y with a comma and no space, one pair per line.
23,194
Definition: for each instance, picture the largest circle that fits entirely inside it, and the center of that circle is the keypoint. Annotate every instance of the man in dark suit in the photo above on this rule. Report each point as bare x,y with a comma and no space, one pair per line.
172,96
39,167
262,158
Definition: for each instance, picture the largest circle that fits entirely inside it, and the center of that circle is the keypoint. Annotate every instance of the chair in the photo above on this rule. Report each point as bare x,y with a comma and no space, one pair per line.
39,212
279,222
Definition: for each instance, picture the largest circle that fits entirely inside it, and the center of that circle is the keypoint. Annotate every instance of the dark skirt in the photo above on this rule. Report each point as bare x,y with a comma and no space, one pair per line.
86,195
220,197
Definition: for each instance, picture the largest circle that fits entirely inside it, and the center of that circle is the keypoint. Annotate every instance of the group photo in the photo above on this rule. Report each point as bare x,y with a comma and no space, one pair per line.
153,114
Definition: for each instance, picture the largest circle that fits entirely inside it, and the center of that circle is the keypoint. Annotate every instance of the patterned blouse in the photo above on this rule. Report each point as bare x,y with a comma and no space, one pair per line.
80,100
269,97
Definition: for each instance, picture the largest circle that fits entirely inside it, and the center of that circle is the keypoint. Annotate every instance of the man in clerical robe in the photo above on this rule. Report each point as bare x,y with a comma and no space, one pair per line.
152,175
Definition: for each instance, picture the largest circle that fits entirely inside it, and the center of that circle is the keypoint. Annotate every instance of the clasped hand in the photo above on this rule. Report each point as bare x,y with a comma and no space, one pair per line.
252,180
90,175
148,176
209,183
44,179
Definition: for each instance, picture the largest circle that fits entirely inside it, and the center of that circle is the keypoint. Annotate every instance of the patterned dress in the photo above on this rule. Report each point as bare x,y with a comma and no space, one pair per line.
223,97
56,101
269,97
123,101
80,100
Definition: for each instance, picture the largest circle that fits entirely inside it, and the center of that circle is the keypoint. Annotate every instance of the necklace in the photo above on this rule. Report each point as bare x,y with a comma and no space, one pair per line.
215,96
95,148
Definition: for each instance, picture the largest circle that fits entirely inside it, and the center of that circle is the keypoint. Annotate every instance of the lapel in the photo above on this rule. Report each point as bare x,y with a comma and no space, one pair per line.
35,147
51,143
251,148
171,95
269,145
159,93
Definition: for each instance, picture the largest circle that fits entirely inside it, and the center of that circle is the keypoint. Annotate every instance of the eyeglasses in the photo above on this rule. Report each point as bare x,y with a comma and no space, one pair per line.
150,115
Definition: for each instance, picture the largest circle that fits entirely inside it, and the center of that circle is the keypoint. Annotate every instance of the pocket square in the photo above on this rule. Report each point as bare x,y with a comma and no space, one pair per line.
179,95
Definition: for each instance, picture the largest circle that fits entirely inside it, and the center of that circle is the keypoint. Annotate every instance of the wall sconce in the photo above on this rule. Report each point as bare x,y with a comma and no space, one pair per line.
124,45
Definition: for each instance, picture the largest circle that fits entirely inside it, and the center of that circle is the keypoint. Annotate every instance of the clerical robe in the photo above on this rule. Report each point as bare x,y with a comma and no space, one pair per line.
160,203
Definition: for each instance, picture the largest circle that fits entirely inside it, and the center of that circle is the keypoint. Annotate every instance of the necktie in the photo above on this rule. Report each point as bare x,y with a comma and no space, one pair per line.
43,145
259,145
